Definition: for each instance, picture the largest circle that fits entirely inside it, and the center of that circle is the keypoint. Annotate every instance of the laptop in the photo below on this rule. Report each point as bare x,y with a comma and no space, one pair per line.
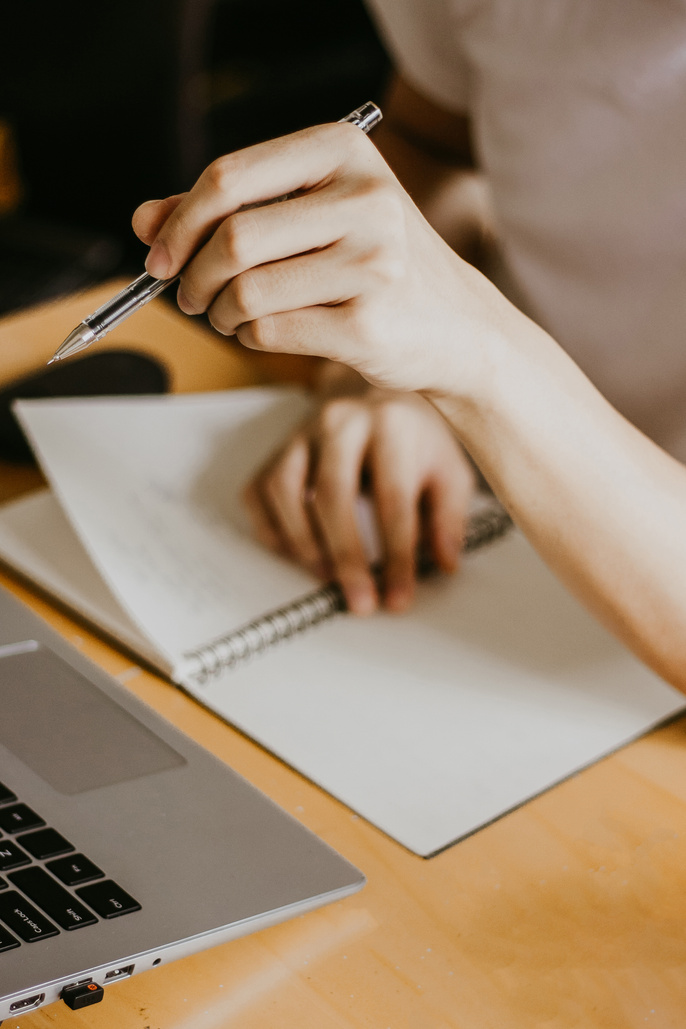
123,844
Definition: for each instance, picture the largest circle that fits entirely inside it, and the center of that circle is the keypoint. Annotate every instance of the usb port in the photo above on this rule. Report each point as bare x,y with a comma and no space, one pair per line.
119,973
28,1002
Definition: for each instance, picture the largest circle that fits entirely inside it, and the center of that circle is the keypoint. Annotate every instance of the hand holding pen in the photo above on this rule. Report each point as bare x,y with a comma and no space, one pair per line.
347,268
146,287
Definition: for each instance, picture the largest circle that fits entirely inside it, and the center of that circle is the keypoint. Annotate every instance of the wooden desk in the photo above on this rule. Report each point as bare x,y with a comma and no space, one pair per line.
569,912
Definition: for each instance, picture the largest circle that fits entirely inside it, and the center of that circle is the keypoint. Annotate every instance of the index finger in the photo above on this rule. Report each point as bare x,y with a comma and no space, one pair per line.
299,162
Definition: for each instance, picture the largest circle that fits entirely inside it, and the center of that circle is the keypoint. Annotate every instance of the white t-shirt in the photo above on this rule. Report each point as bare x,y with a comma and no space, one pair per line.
579,117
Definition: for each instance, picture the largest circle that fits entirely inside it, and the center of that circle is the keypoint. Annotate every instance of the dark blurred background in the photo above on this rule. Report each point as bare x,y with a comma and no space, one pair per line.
111,104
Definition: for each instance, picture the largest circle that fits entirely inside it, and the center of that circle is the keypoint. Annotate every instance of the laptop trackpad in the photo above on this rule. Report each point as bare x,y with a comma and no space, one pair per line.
67,730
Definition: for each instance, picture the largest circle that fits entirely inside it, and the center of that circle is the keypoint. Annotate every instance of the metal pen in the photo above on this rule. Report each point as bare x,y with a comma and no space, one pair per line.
145,288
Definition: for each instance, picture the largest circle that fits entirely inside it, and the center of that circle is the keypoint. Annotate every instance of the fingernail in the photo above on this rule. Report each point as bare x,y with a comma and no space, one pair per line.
145,209
158,262
361,599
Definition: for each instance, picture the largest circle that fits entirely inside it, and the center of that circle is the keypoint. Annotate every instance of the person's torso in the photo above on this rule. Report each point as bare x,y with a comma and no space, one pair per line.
579,115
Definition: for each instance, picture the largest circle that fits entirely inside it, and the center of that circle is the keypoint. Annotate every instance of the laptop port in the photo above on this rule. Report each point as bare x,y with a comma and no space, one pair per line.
119,973
28,1002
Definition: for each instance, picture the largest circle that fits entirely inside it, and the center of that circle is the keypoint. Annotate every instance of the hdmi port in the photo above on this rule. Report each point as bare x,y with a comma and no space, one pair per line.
27,1002
119,973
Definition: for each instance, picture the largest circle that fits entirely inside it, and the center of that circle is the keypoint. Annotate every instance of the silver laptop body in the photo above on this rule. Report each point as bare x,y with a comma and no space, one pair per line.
171,851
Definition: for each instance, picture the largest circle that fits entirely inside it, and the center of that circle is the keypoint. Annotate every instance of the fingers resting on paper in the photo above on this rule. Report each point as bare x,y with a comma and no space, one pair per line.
305,502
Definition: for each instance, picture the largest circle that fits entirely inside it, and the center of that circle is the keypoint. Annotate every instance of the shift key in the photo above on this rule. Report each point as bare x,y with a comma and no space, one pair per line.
52,898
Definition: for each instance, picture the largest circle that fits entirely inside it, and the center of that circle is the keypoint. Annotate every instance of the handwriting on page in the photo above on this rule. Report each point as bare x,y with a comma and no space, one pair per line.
153,489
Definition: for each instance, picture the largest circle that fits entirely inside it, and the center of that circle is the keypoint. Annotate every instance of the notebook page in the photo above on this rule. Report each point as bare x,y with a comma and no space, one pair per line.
152,485
495,686
37,540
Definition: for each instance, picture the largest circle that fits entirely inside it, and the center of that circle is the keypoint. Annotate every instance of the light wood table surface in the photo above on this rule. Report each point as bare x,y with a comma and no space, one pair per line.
569,912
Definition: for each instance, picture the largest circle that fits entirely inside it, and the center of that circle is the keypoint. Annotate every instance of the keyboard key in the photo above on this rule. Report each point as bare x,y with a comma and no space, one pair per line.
47,893
73,871
6,796
108,899
45,843
11,856
18,818
7,941
23,919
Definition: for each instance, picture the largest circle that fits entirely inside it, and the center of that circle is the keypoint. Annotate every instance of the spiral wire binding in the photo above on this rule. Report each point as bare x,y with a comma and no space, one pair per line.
224,653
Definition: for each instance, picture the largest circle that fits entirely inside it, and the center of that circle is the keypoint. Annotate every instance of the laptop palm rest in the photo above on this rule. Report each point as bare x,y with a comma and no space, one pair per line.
116,825
68,731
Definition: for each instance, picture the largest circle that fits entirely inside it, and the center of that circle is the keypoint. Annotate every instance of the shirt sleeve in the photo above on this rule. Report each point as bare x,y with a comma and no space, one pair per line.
422,39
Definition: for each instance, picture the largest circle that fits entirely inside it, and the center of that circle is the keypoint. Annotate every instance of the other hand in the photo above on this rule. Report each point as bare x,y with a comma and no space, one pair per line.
303,502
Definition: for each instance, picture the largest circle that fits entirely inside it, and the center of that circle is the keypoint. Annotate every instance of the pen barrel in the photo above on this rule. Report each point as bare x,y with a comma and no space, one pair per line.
145,287
135,295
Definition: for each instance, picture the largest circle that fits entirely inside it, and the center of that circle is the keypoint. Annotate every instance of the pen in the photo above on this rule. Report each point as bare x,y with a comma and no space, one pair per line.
146,288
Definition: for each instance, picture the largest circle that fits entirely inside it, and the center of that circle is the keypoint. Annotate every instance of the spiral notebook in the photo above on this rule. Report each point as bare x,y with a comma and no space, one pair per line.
494,687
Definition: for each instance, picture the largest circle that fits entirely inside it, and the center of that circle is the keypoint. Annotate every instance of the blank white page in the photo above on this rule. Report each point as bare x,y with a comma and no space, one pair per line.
431,724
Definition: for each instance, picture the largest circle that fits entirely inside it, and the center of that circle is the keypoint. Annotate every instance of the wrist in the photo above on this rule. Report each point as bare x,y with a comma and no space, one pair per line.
512,368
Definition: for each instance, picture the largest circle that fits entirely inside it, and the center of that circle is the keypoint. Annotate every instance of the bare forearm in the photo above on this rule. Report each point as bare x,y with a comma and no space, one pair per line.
604,506
363,280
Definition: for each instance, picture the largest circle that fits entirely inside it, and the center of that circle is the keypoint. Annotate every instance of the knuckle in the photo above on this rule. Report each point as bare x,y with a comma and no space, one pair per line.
335,414
389,421
326,494
246,296
219,174
383,201
219,320
237,237
294,460
389,203
262,334
320,494
385,266
368,323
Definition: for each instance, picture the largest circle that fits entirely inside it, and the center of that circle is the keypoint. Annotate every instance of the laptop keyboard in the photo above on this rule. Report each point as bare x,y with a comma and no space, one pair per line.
38,870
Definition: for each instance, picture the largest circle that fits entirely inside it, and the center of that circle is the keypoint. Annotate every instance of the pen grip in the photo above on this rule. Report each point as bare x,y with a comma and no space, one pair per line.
135,295
145,287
